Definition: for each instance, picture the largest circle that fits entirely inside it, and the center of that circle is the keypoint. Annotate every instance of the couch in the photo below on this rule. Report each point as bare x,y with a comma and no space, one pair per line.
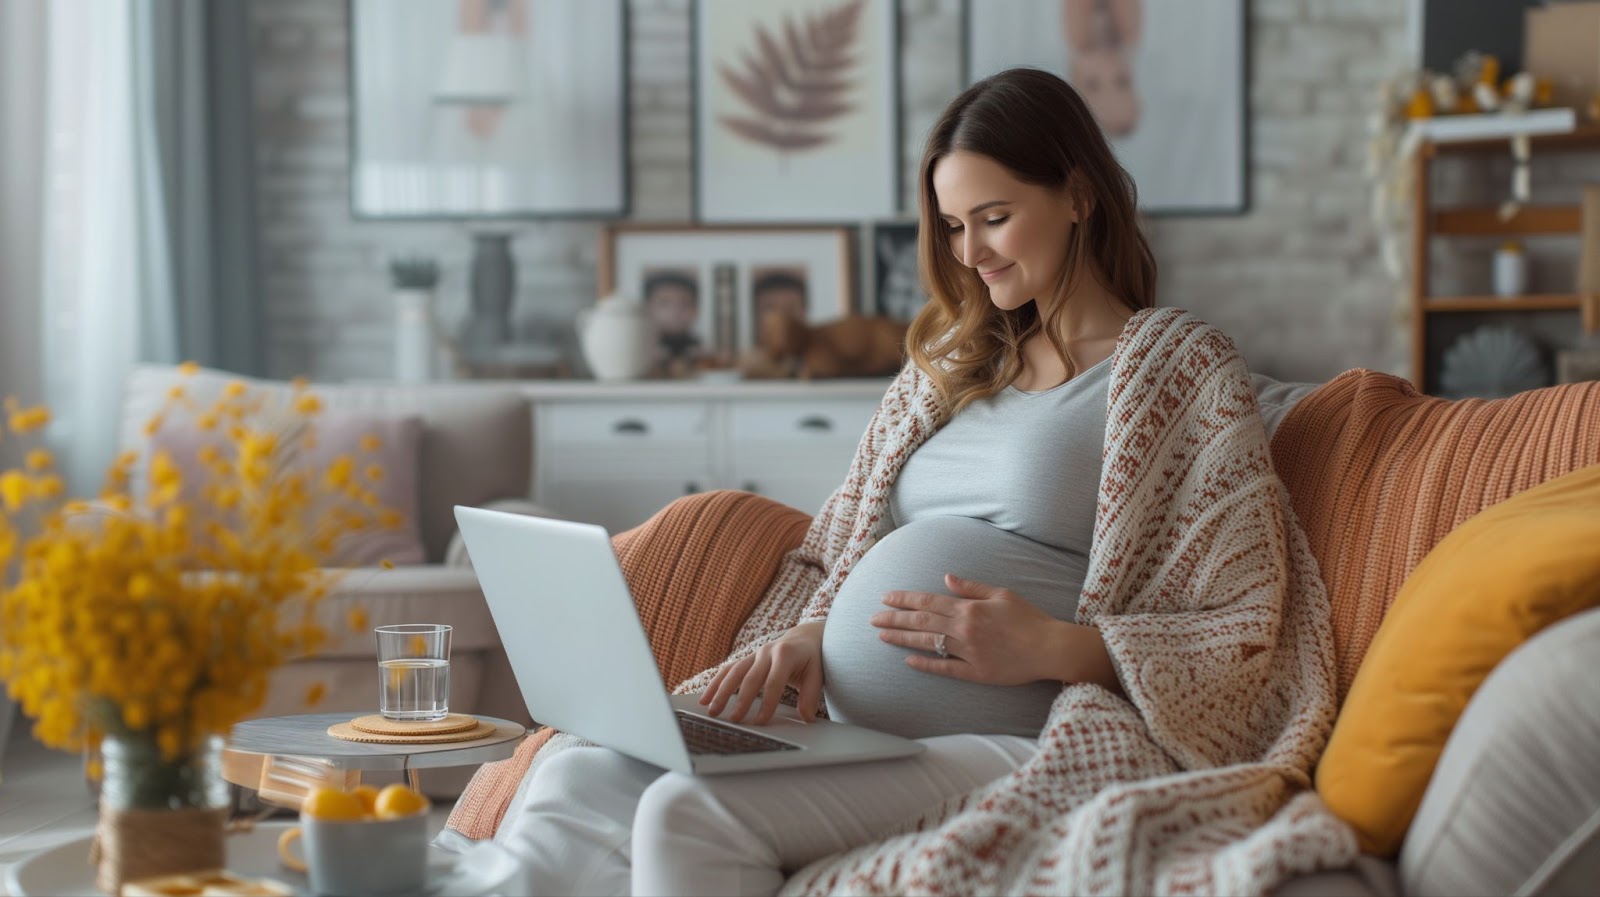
1378,475
473,446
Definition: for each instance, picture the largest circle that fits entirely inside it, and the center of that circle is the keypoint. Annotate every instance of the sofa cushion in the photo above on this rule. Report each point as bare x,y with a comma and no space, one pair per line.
1378,474
1494,582
331,436
476,443
1514,806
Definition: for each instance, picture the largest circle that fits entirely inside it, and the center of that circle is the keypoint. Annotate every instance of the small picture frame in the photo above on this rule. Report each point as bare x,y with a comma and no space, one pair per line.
705,287
896,284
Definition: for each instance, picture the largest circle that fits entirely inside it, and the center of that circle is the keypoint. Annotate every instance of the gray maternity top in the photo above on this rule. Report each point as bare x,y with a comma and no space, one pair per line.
1003,494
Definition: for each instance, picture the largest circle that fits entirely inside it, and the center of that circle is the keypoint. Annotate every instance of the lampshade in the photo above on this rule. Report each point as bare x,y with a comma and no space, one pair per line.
480,68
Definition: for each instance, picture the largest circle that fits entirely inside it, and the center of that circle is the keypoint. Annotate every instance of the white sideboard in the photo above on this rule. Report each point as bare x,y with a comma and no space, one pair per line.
614,454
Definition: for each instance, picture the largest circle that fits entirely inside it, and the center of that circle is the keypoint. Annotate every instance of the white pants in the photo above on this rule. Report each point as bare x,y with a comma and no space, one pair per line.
596,822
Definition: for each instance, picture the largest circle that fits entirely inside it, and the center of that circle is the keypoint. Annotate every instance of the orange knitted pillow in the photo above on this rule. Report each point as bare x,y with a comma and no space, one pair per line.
1378,474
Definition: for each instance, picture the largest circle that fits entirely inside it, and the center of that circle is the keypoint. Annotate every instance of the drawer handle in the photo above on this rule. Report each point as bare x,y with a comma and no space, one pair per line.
632,426
751,487
816,422
691,487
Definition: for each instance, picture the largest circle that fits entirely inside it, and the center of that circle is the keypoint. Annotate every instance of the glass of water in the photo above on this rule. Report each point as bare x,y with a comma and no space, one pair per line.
414,671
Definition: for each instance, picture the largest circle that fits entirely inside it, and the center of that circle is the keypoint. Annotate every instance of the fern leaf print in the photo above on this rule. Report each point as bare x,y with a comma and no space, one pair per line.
792,82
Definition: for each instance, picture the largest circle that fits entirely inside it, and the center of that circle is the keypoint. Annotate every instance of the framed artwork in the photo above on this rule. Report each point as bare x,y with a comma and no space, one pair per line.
1166,79
897,287
488,109
796,110
707,287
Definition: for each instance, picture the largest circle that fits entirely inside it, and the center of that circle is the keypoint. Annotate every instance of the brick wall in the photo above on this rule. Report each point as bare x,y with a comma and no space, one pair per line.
1296,280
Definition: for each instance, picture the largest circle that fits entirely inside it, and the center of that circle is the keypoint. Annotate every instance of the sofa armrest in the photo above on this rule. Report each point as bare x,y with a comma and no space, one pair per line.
455,554
432,593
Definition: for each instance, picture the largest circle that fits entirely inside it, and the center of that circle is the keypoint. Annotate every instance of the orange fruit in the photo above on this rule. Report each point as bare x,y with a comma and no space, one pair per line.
332,804
395,801
368,796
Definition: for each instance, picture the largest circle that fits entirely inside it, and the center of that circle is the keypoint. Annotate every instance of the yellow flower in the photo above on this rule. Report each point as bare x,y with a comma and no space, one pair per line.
386,564
166,480
189,368
374,473
357,618
315,693
176,392
308,404
234,389
165,615
339,471
15,489
140,586
26,420
371,443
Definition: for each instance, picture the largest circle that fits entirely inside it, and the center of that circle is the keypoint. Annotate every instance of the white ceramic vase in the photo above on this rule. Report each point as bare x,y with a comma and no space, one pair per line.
413,335
618,339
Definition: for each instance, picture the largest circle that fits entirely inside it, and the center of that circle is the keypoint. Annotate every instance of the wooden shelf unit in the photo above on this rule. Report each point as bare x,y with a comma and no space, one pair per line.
1482,221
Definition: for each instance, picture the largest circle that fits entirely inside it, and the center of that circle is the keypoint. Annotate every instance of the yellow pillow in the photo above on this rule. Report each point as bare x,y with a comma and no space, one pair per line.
1492,583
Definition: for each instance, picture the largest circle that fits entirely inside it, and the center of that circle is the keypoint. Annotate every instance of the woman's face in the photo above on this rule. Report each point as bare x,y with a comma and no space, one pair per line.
1013,234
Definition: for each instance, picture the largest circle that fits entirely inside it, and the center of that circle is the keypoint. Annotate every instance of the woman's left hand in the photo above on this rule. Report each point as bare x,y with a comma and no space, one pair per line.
991,635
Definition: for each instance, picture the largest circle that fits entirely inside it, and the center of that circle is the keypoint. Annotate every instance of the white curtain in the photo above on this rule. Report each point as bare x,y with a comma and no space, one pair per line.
107,305
21,172
22,28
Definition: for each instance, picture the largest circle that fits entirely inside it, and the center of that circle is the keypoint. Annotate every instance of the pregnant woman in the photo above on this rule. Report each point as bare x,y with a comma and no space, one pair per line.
945,576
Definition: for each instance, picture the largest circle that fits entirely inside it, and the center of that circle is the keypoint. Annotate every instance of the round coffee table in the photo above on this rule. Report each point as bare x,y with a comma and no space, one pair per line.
65,868
300,752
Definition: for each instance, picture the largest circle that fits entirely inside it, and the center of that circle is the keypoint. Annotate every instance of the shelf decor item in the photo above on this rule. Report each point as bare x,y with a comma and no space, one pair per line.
1510,270
1589,260
139,626
494,290
619,341
412,281
1491,362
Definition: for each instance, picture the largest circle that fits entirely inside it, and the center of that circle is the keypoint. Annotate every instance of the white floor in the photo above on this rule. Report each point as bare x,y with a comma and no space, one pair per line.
44,801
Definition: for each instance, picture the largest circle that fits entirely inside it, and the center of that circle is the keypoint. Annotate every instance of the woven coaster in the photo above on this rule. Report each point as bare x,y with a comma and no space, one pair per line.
376,724
351,733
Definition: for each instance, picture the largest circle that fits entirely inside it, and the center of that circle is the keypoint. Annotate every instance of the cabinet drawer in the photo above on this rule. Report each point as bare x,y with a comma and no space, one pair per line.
624,425
801,423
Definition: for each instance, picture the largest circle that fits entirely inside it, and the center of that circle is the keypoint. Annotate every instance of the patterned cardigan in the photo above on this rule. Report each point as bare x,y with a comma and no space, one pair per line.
1203,587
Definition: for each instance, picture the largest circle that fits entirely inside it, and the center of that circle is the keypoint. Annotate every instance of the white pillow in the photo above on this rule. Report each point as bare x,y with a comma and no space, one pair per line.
1514,804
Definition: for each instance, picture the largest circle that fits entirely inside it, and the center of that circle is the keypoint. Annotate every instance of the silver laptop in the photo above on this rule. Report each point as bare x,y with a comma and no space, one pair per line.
583,661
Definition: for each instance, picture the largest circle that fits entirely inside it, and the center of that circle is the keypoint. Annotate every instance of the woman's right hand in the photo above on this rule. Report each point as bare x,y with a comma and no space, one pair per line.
794,657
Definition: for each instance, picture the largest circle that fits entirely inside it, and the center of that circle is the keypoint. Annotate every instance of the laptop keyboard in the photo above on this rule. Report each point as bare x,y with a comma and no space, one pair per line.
704,736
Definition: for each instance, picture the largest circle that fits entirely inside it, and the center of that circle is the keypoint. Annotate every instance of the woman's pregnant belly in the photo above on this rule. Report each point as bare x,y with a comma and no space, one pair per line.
867,682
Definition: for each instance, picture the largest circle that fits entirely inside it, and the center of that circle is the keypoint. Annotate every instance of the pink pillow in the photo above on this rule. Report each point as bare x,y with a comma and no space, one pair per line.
334,434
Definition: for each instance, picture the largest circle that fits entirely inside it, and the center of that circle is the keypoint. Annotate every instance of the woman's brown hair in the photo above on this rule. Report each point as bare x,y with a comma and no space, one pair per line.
1037,126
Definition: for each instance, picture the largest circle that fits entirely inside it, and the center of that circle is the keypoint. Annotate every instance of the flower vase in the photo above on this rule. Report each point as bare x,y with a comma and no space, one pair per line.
158,816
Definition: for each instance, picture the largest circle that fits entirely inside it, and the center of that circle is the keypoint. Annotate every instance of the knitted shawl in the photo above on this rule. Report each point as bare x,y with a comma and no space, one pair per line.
1208,598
